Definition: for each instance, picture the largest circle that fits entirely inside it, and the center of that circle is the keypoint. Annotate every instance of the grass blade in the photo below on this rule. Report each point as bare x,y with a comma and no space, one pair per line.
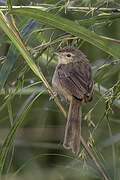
70,27
18,121
97,19
13,53
18,42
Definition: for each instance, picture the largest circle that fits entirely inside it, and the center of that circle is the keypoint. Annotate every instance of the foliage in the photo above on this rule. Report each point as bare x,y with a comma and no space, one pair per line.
28,38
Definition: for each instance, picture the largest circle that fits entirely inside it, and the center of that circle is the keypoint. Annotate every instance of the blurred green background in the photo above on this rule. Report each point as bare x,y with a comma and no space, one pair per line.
36,151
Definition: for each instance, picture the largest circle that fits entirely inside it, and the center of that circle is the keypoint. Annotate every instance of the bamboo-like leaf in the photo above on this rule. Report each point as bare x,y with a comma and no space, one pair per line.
13,53
8,29
18,42
102,71
70,27
97,19
18,121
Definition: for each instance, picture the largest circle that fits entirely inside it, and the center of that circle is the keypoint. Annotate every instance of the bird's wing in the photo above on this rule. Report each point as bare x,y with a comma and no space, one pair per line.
76,78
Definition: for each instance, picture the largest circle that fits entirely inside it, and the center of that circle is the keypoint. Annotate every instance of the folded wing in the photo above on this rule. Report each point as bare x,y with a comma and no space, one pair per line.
76,78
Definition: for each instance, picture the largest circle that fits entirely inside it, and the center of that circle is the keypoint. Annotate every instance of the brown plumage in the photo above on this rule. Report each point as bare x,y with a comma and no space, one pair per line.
73,80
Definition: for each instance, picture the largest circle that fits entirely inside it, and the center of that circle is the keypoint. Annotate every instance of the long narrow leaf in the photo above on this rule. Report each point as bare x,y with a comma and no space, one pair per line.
70,27
18,121
98,19
8,29
18,42
13,53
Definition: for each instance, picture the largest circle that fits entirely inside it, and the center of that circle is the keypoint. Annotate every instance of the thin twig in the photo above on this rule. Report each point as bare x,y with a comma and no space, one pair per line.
36,7
68,7
94,8
51,92
47,44
93,158
17,35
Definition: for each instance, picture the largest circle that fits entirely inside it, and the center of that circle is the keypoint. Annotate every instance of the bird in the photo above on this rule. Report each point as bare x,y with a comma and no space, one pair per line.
73,80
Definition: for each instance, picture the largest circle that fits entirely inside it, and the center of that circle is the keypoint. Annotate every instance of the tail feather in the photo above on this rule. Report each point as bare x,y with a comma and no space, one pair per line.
73,127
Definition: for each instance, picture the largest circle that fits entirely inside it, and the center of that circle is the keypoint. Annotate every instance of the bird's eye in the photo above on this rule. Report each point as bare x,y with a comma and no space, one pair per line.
68,55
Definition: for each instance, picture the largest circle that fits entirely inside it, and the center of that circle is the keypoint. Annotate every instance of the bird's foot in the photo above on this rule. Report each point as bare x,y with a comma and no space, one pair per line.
53,96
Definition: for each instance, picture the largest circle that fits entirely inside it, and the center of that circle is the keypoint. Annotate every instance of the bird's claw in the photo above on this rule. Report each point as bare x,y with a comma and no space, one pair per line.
53,96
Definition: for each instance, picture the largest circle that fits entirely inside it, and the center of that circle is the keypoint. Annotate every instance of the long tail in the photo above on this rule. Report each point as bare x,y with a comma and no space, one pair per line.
73,127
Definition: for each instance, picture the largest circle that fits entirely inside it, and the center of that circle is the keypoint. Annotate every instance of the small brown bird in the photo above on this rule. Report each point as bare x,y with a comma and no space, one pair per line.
73,80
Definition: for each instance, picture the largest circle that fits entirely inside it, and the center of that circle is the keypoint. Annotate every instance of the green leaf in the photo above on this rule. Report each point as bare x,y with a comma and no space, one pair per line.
17,123
97,19
18,42
13,53
104,71
70,27
101,72
9,3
